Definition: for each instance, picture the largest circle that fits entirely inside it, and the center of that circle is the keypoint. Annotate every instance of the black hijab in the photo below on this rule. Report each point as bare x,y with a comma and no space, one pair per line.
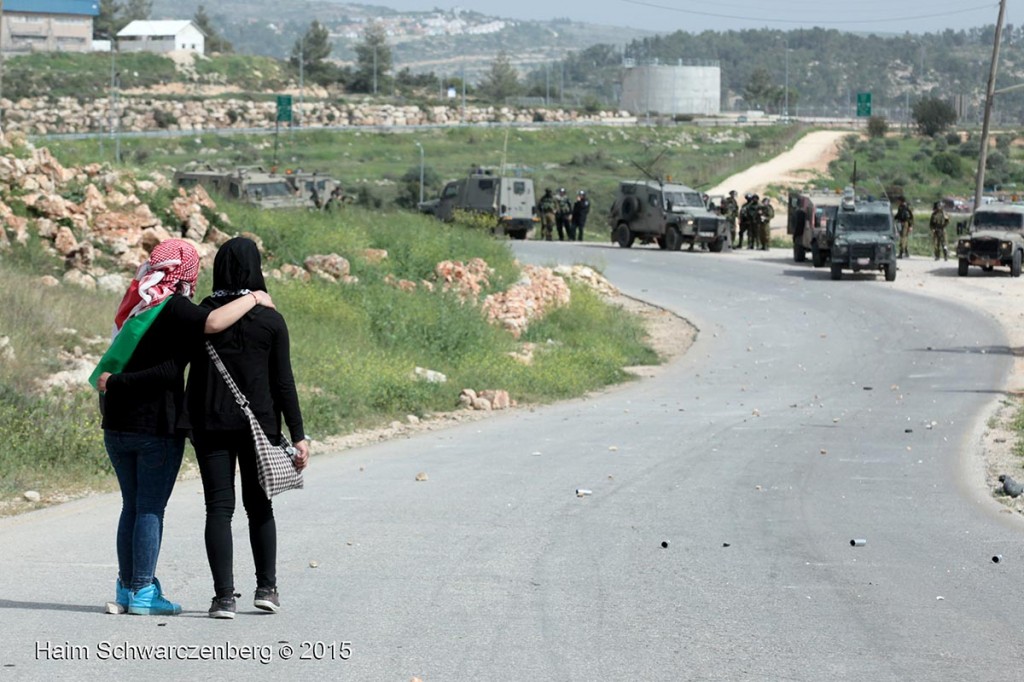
237,268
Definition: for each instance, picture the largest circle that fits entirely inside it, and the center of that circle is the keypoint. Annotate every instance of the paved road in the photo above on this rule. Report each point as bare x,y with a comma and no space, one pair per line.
494,569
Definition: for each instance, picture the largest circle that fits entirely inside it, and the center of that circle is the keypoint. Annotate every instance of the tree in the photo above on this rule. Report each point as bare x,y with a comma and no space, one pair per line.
107,23
373,61
502,81
933,115
877,126
761,90
312,50
137,9
214,41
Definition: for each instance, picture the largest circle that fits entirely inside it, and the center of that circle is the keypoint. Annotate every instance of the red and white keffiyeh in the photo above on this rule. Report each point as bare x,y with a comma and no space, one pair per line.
173,266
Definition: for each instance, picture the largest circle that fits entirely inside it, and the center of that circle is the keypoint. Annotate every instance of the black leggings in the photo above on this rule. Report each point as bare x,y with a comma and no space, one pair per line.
216,453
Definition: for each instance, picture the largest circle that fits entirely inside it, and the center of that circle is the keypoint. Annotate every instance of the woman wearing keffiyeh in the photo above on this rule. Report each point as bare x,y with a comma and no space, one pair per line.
141,384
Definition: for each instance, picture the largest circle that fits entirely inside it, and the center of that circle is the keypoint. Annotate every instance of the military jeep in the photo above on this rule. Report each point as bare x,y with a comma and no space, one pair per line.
996,237
251,185
863,237
669,215
509,198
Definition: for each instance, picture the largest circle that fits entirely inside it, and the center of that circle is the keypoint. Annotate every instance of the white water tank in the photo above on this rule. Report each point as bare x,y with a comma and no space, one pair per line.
684,88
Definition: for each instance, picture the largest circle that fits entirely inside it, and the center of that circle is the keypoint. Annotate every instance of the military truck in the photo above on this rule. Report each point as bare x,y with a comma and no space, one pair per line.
862,237
510,199
810,215
667,214
251,185
996,237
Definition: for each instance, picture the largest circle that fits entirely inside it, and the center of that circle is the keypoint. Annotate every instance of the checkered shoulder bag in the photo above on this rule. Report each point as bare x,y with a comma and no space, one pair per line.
275,464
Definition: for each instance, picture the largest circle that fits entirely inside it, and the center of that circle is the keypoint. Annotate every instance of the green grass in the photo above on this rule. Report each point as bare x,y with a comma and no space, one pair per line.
354,347
592,158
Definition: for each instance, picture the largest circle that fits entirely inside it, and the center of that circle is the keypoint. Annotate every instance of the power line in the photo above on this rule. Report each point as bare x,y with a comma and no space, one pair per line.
807,21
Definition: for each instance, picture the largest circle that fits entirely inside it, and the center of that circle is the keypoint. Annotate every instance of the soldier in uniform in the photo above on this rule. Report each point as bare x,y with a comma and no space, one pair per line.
905,222
580,210
748,221
730,209
938,222
766,214
563,215
547,207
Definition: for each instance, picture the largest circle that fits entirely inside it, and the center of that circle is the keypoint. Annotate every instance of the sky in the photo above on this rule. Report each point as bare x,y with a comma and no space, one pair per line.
668,16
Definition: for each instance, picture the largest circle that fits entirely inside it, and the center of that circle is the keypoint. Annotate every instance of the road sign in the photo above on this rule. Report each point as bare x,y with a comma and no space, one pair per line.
863,103
284,108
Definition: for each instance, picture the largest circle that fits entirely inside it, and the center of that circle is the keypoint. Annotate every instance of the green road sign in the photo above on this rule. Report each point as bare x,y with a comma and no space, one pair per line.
863,103
284,108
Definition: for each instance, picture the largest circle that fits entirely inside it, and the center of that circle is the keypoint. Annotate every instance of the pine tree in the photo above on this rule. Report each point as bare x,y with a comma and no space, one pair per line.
502,81
214,41
373,61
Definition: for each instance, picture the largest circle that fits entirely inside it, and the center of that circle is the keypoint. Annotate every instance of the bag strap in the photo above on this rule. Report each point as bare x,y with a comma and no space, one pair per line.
240,398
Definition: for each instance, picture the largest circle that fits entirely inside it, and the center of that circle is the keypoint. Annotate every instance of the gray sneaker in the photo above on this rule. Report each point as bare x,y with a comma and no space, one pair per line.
267,599
223,607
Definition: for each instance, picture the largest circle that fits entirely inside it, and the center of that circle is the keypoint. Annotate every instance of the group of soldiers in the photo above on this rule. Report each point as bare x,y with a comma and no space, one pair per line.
754,217
569,217
937,222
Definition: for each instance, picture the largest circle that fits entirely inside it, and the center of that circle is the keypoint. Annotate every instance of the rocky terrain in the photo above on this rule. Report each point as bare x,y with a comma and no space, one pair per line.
67,115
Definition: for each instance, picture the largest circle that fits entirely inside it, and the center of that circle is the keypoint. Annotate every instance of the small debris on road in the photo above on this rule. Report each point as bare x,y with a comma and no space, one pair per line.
613,448
583,492
314,564
823,451
726,544
757,487
908,430
997,558
664,544
858,542
421,476
868,388
31,496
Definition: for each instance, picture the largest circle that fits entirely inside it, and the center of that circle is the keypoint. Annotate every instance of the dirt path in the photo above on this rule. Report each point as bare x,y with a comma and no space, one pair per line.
808,158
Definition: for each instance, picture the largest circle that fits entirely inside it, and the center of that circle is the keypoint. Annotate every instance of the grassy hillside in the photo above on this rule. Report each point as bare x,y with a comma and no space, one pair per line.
354,346
385,166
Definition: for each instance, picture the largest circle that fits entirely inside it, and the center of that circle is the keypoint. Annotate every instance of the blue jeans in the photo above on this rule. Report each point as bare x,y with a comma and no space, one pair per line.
146,468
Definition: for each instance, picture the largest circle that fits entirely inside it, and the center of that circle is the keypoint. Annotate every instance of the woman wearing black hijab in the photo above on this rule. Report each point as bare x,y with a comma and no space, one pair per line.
256,353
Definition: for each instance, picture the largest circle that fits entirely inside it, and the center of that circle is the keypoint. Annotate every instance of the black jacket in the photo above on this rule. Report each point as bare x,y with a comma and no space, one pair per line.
149,394
255,351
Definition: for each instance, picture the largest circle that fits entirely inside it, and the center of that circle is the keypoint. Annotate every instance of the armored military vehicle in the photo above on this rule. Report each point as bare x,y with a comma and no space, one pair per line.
252,185
996,237
312,186
862,237
667,214
810,214
510,199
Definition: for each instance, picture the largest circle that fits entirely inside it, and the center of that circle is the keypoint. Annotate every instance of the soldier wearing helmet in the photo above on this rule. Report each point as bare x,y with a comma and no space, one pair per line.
580,210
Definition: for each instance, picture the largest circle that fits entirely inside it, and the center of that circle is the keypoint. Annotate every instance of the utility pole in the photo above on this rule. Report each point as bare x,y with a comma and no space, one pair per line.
421,170
375,68
989,95
113,100
1,63
463,116
302,75
785,107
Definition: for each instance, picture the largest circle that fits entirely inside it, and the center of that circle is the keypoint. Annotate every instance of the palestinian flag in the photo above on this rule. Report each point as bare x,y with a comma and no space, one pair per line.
125,343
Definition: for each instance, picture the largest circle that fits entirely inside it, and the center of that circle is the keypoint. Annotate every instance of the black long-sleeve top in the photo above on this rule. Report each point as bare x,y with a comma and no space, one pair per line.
257,354
148,396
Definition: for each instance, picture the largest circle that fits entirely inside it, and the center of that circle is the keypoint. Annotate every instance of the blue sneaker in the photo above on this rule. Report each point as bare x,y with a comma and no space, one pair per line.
122,595
150,601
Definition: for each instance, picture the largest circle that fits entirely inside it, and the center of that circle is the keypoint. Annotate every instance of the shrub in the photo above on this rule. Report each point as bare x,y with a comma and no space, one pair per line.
947,164
877,126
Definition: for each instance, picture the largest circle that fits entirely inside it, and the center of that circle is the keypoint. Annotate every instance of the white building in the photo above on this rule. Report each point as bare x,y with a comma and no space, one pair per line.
693,87
161,36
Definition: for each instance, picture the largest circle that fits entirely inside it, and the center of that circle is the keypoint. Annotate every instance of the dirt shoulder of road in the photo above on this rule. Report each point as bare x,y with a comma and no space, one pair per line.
668,334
